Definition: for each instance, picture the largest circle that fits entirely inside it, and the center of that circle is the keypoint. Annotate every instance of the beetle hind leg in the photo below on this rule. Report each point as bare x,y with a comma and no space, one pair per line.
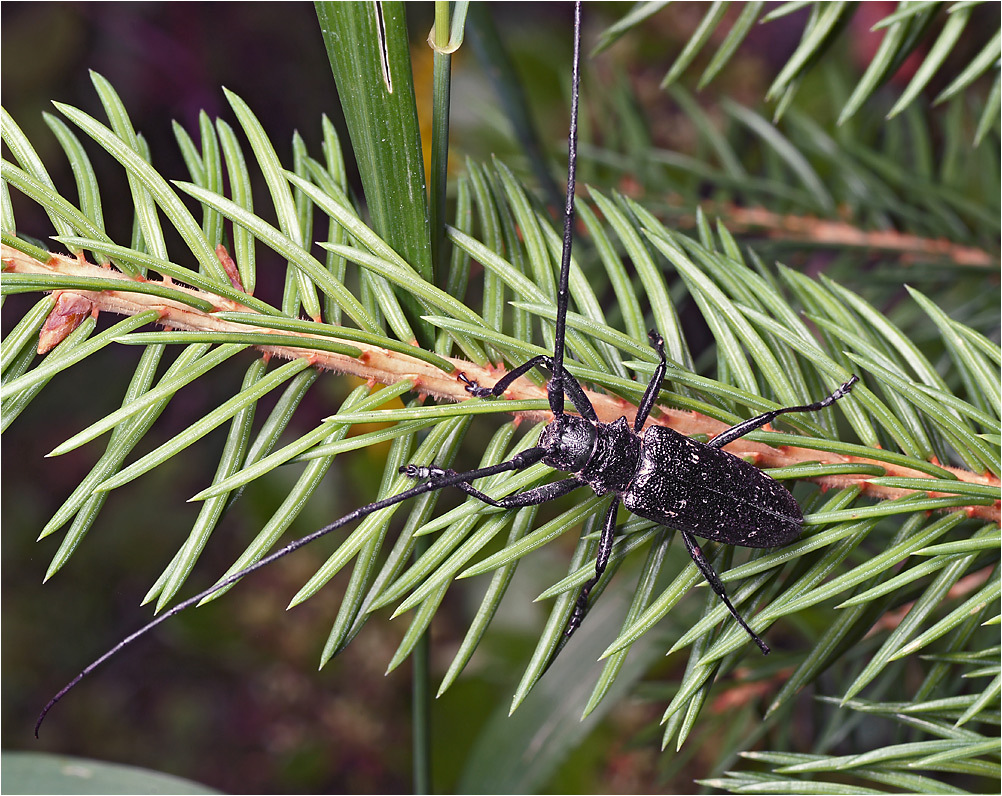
735,432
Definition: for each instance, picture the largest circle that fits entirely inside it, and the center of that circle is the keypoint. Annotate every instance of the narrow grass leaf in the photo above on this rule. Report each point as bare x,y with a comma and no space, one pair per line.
931,598
230,459
406,278
626,298
978,66
178,272
975,604
695,42
496,589
641,599
789,154
33,283
444,434
536,539
34,169
83,171
148,179
341,333
305,486
278,188
238,178
73,220
633,17
123,439
25,332
628,231
55,360
739,30
815,40
990,113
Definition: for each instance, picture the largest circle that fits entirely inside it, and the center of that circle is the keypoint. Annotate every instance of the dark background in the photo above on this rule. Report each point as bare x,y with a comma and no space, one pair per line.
229,694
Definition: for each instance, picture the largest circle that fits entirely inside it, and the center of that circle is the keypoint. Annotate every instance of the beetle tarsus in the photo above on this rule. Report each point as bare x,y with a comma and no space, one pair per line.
474,389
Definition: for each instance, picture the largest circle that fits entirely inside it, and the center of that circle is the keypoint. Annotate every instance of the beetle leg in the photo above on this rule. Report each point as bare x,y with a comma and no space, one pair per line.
647,402
531,497
734,432
570,385
717,585
504,382
437,475
536,496
601,562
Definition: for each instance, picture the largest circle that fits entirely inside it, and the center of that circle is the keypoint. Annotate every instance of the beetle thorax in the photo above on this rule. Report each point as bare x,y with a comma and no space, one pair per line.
603,455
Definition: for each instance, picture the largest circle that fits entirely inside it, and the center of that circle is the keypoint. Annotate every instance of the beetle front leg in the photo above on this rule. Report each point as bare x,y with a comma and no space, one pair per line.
577,395
531,497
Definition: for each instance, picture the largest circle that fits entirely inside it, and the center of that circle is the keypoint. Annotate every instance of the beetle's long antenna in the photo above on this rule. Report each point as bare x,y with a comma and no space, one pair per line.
450,478
555,387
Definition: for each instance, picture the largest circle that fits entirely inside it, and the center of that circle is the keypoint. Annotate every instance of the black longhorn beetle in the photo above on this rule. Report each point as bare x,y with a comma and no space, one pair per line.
656,472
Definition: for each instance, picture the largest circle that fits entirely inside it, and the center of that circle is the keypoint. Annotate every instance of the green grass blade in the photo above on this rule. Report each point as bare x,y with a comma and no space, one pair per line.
369,53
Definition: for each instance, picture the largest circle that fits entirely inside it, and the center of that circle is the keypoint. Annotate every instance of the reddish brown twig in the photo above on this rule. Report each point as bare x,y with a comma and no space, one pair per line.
840,234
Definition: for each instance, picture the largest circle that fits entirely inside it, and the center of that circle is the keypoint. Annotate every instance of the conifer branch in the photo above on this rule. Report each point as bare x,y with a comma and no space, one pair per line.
379,365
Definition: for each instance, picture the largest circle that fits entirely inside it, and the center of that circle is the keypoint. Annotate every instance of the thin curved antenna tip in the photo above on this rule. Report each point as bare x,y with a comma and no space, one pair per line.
51,703
162,618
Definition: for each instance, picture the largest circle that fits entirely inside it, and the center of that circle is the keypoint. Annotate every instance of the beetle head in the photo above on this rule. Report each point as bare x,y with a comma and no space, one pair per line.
569,442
